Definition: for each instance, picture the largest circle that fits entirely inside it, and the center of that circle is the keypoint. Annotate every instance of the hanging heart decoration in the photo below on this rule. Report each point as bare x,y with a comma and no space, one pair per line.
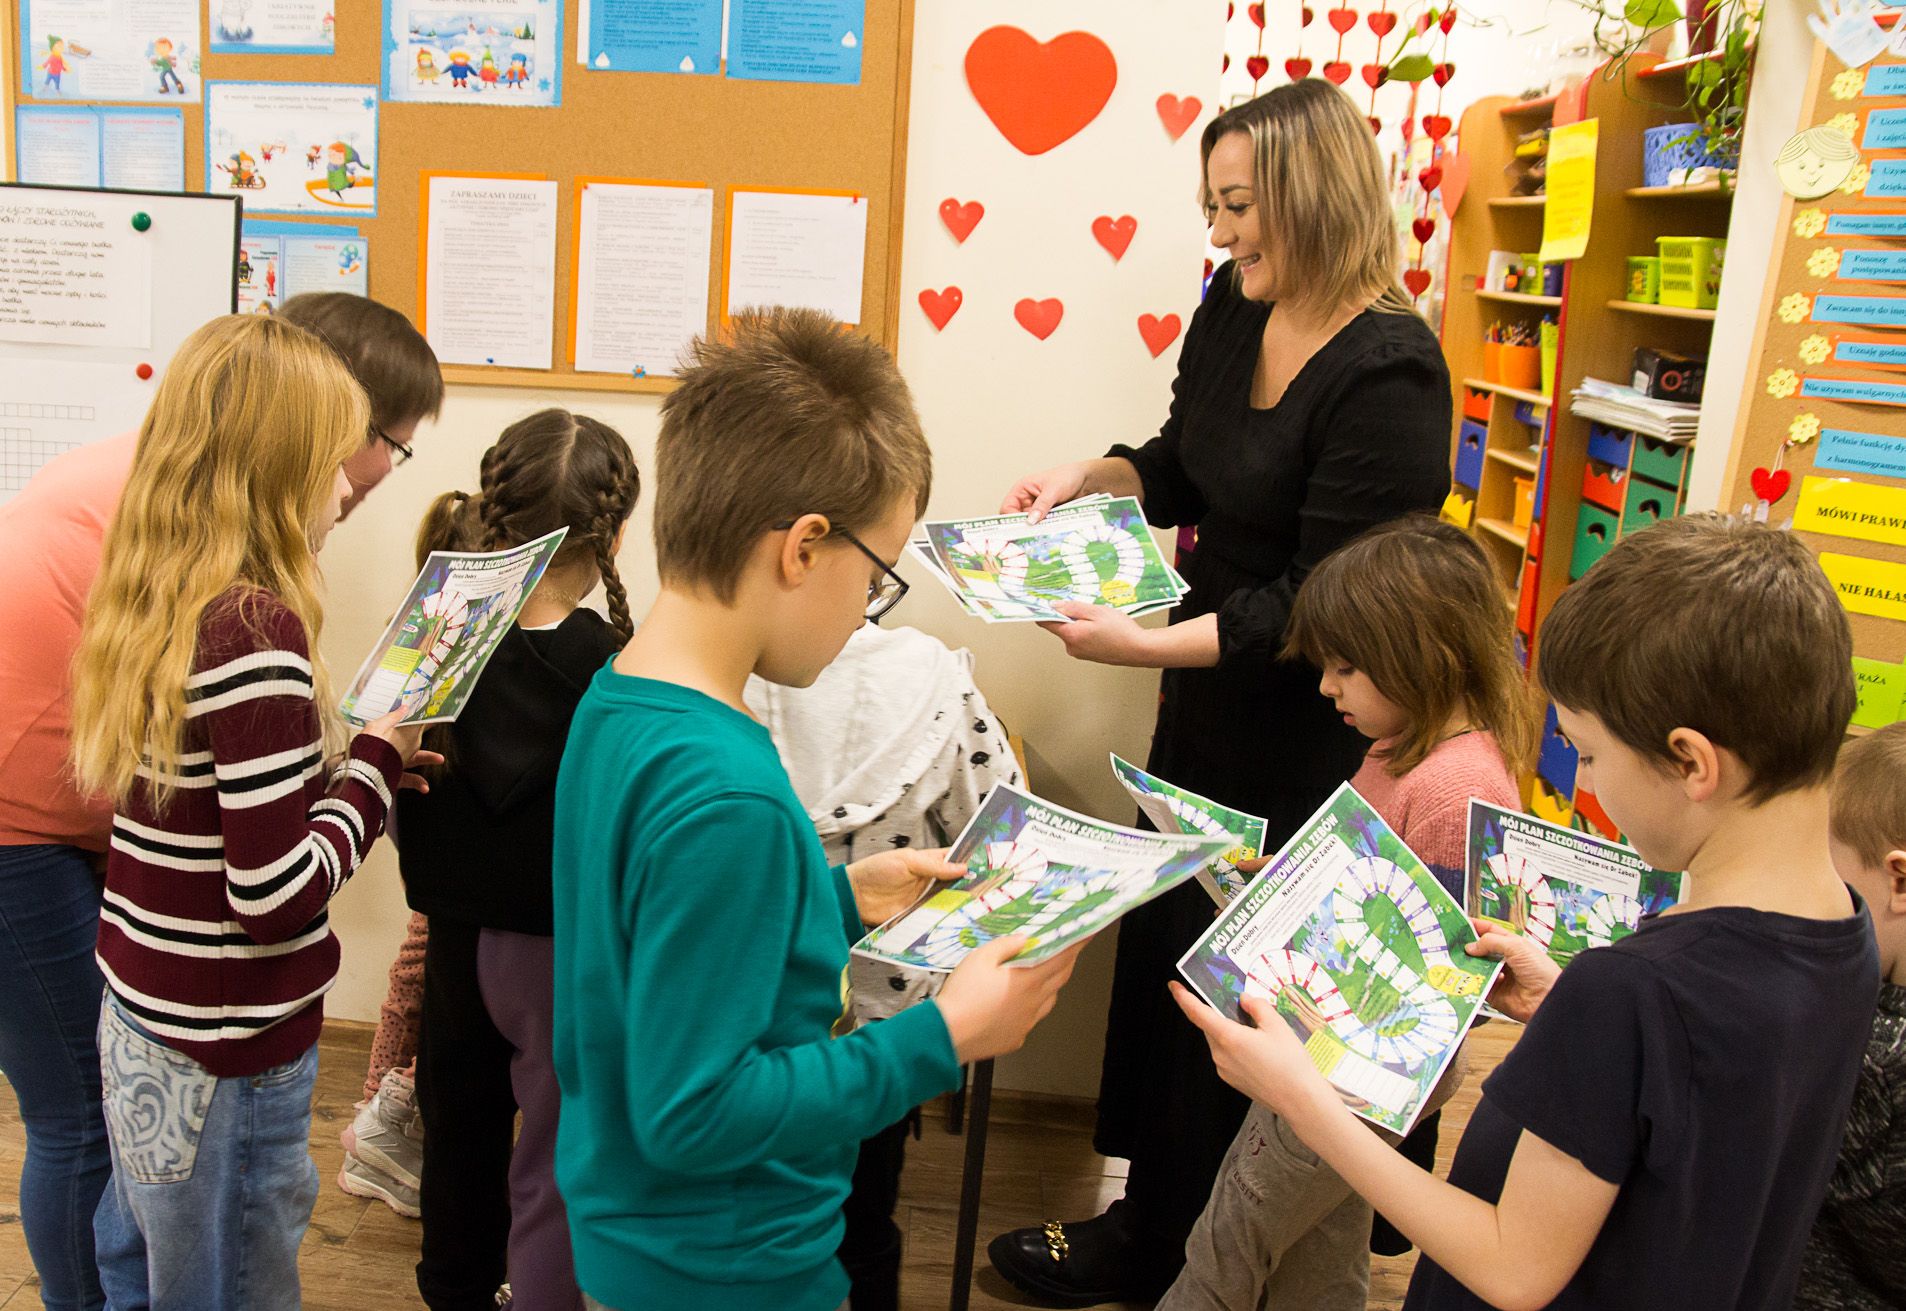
1448,20
1423,228
1304,19
1376,125
941,306
1256,14
1039,317
1375,75
1298,69
1442,73
1257,66
1342,19
1429,177
1337,71
1417,281
1424,21
1158,333
1437,126
1225,67
1114,234
1770,484
1382,22
961,219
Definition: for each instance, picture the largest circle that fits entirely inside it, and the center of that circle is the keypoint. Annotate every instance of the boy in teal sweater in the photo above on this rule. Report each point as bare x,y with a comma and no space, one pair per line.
709,1119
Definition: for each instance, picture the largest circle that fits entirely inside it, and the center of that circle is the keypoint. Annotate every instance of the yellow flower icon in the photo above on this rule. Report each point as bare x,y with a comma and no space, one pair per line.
1846,125
1803,429
1856,180
1794,308
1809,223
1824,262
1782,383
1815,349
1848,85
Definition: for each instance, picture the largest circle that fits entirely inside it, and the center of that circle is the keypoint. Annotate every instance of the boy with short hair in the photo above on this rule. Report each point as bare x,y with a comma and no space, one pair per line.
1663,1132
1856,1260
709,1122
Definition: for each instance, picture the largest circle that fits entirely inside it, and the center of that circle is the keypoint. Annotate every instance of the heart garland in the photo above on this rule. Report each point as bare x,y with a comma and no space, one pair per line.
1770,484
1444,170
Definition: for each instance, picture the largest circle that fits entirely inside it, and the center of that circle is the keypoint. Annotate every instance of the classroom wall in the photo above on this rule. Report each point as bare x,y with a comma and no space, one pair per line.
996,403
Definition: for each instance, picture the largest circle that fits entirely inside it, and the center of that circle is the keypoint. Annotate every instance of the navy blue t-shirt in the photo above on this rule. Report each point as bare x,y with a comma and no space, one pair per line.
1705,1064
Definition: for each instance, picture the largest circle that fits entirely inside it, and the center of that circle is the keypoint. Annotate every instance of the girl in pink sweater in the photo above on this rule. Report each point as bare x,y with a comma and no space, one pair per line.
1412,633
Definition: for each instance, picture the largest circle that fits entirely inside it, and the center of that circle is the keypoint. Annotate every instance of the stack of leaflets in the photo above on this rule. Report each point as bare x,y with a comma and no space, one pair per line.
1097,550
1624,407
1038,869
1567,890
1361,950
444,632
1175,810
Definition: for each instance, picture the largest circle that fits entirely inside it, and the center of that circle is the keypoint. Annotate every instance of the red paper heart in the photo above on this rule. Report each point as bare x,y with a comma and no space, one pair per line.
1424,228
1305,19
1429,177
1342,19
1039,317
1770,485
1039,94
1115,234
1230,12
1455,181
1376,125
961,219
1225,67
1158,333
1177,115
1448,20
1257,66
1423,21
1382,22
1407,129
941,306
1375,75
1207,268
1417,280
1256,14
1298,69
1437,125
1442,73
1337,71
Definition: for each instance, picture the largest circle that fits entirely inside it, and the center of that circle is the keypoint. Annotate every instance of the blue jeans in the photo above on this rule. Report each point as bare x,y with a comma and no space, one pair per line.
49,1005
213,1182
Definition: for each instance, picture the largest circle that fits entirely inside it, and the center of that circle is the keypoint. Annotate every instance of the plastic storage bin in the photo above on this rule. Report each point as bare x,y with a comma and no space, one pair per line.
1605,485
1659,461
1644,279
1691,271
1648,504
1549,339
1521,367
1524,511
1676,146
1610,445
1471,438
1595,530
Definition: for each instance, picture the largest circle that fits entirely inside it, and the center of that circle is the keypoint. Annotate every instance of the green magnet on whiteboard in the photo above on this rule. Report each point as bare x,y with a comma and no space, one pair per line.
141,221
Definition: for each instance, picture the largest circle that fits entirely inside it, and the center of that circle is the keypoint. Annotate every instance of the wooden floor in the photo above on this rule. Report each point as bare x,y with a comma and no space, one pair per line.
1040,1163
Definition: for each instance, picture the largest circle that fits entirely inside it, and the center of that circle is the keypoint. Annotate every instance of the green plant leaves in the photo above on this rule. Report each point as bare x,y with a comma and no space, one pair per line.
1412,68
1650,14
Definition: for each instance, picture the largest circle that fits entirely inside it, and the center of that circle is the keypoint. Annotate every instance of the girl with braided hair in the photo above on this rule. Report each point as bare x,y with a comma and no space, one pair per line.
476,863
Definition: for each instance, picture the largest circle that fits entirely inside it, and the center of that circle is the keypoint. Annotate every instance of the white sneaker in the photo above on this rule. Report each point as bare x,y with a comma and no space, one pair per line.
362,1180
388,1134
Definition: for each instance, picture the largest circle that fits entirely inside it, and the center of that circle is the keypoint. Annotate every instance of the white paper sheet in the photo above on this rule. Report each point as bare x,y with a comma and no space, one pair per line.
111,49
293,148
273,27
70,276
490,271
142,149
641,276
796,250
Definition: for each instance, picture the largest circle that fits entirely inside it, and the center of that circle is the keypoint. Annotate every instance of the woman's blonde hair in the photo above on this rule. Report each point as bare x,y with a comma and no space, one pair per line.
1323,204
235,459
1415,605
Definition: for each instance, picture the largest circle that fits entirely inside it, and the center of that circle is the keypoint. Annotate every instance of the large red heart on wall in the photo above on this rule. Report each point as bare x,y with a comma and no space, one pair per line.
1039,94
1039,317
1158,333
1114,234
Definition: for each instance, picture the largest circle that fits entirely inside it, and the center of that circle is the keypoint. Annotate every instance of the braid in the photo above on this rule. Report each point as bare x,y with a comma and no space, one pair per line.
493,509
613,505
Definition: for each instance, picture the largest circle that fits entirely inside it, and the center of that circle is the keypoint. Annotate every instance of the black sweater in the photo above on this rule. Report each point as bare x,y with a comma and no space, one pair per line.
476,849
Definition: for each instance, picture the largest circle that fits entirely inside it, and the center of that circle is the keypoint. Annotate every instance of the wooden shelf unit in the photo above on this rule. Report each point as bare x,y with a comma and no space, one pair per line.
1662,311
1518,202
1521,298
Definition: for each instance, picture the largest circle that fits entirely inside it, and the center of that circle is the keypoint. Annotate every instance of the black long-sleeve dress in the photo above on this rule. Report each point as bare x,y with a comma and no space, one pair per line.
1361,436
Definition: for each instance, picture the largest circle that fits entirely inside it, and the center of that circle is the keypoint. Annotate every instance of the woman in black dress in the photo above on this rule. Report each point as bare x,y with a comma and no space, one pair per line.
1310,403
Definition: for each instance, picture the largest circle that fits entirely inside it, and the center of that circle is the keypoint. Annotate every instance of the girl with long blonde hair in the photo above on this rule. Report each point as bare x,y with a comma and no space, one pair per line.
202,708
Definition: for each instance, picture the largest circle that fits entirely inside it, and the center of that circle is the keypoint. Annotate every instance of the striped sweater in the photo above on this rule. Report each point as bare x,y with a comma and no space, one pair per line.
213,932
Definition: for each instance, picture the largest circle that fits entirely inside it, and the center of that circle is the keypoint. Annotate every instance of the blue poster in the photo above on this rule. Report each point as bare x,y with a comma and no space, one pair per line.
1885,80
126,148
1856,390
796,40
652,36
1885,130
492,52
1866,225
1870,311
1887,180
1882,354
1861,452
1873,265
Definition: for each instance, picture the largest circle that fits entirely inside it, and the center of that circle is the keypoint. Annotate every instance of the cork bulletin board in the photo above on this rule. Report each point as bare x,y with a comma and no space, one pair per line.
712,131
1821,437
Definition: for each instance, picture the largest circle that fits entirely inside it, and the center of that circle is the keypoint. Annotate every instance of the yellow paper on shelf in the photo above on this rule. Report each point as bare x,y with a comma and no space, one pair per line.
1846,508
1882,686
1571,190
1868,587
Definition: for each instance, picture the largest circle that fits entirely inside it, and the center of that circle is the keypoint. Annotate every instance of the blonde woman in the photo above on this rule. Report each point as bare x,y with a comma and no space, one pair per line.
1310,404
202,709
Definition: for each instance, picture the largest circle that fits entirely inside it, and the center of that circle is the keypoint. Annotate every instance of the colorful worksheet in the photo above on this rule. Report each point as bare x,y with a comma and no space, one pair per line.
293,148
1175,810
435,646
273,27
1361,950
490,270
1097,551
110,49
86,146
642,261
277,261
1565,889
452,52
812,41
1041,870
650,36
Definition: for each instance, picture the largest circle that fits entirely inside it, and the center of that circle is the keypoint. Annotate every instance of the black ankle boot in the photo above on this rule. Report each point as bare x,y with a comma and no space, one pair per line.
1075,1263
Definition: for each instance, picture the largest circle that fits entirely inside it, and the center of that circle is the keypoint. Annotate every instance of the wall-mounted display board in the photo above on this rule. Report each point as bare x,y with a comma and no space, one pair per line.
1820,438
717,177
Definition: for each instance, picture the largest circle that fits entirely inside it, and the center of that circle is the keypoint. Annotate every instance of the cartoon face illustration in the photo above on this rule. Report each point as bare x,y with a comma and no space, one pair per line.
335,153
162,49
1815,162
459,61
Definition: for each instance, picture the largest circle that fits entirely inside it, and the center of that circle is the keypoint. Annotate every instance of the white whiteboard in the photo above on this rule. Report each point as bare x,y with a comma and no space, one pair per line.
87,298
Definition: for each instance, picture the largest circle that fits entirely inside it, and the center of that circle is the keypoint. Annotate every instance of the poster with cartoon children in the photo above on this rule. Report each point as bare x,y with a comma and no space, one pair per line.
454,52
273,27
293,148
137,50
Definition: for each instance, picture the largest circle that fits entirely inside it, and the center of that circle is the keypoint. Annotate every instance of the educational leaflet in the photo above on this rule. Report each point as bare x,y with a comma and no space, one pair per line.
816,41
431,653
1175,810
455,52
273,27
293,148
277,261
642,252
121,147
1361,949
110,49
1097,550
650,36
1035,868
490,270
1567,890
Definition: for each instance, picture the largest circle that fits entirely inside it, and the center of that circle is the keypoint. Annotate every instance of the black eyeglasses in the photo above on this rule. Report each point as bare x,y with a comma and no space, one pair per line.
399,452
884,592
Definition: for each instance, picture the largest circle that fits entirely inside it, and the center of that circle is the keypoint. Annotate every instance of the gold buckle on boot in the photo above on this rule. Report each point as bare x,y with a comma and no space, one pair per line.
1056,1246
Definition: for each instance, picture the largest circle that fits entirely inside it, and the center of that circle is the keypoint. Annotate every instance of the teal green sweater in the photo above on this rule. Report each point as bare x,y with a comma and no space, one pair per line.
709,1121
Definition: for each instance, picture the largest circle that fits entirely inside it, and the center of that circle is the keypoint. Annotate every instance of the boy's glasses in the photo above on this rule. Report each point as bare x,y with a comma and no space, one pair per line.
399,452
884,592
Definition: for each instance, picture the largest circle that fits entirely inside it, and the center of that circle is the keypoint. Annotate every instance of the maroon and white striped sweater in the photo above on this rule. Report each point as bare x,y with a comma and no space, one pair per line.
214,933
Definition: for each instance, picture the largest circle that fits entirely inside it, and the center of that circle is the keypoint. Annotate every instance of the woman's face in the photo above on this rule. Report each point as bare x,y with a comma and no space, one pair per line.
1230,179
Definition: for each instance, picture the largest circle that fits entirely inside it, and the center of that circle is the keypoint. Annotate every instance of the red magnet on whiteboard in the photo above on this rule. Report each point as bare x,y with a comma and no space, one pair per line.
143,372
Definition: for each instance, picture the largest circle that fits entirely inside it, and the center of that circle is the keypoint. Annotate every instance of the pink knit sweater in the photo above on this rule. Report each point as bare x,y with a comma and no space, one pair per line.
1429,806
